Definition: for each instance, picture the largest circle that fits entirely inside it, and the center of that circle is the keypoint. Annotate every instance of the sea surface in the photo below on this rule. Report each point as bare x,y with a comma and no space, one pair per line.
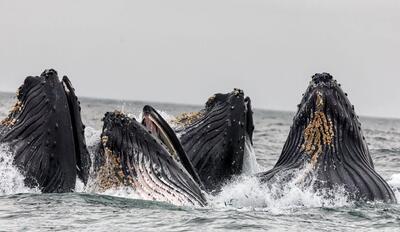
243,205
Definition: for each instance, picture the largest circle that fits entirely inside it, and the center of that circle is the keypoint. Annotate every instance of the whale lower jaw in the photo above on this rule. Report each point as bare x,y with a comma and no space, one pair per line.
150,184
148,180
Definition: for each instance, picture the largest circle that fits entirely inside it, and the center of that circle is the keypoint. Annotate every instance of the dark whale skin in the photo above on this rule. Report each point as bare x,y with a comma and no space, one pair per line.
83,161
215,139
326,136
40,134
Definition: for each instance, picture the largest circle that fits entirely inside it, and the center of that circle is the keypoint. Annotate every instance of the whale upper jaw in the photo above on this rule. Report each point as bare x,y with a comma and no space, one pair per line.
326,95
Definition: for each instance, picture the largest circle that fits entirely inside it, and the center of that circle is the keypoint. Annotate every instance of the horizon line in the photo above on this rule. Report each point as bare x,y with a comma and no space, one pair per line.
201,105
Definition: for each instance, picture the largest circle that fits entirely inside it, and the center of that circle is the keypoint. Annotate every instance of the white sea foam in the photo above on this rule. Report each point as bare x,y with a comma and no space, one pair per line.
395,183
395,180
248,193
250,165
126,192
92,136
79,186
11,180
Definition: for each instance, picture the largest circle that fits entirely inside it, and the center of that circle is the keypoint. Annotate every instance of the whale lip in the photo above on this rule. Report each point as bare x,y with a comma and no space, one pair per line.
83,161
249,119
160,129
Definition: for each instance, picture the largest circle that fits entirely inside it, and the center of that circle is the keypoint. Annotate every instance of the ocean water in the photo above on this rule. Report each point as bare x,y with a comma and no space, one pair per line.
243,205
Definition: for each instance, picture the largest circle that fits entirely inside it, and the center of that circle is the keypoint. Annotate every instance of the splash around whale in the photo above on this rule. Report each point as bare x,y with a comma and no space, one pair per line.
197,160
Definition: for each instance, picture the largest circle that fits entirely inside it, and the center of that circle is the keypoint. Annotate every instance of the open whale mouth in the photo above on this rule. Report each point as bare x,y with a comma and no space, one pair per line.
139,155
161,130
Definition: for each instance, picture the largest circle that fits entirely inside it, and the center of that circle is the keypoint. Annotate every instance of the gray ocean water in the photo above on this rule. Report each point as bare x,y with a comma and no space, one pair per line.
243,205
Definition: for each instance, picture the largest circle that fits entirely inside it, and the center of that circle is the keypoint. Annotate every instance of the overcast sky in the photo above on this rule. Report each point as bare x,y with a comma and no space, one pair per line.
184,51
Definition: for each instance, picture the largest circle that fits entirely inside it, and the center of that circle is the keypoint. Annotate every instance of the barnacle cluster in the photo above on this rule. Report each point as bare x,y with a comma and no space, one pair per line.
110,174
318,133
187,118
10,120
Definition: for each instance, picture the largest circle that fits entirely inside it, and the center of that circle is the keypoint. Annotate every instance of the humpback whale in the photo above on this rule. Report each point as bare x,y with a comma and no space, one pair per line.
148,158
45,133
326,141
214,138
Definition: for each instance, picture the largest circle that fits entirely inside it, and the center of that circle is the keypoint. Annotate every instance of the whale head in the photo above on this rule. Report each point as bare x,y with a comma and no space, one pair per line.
215,137
326,140
46,135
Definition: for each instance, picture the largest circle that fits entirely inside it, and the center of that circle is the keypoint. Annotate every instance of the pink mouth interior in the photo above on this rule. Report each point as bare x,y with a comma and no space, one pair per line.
159,133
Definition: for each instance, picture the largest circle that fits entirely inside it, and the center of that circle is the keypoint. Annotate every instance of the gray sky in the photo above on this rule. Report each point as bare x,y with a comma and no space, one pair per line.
184,51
